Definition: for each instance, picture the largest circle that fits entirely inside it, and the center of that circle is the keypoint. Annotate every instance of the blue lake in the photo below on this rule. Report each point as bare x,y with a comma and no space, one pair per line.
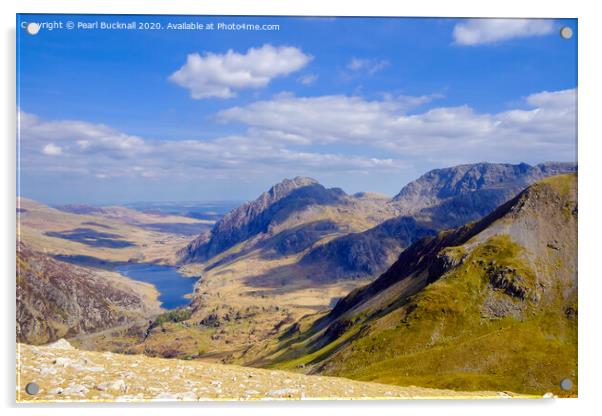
172,285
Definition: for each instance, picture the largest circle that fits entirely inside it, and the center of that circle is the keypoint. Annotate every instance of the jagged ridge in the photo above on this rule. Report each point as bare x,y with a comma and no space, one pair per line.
490,304
257,216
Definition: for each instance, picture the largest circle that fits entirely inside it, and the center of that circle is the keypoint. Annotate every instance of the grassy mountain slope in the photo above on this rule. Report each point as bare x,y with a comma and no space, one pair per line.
489,305
299,247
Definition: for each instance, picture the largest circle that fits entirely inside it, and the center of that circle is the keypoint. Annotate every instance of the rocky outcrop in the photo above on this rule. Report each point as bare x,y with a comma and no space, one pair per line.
439,200
258,216
56,299
453,196
368,253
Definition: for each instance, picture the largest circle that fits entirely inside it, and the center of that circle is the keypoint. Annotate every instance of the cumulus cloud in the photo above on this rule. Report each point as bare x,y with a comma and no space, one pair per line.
99,151
483,31
221,75
306,135
544,128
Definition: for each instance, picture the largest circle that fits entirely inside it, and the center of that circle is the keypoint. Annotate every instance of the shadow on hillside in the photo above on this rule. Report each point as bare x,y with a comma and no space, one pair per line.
92,238
89,261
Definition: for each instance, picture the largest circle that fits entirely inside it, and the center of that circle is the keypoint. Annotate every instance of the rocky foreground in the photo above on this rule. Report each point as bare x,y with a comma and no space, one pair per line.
64,373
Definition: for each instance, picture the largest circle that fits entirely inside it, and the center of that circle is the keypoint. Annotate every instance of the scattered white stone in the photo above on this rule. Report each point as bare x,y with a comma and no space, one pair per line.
282,392
165,397
216,383
63,362
61,344
185,396
251,392
129,397
188,396
56,390
115,385
503,395
549,396
75,389
44,371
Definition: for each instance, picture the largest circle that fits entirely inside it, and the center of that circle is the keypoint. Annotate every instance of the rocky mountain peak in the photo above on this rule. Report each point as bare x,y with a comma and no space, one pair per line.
255,217
470,191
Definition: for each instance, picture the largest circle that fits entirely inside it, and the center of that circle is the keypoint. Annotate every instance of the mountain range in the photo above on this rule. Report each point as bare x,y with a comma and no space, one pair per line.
492,303
466,279
353,236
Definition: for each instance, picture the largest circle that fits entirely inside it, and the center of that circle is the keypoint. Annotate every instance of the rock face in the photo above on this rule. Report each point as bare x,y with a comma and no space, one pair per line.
256,217
439,200
368,253
72,375
491,303
56,299
453,196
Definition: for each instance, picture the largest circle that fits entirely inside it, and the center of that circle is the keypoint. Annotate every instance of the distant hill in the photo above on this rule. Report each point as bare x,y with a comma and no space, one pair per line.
492,304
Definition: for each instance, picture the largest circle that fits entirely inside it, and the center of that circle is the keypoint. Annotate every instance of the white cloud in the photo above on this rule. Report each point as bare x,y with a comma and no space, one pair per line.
554,99
544,129
99,151
482,31
335,134
52,149
72,136
221,75
371,66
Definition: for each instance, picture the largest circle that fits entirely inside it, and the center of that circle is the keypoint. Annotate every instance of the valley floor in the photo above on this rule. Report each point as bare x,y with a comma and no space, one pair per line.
68,374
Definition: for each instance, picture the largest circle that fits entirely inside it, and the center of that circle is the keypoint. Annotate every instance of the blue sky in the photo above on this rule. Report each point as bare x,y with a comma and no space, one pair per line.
366,104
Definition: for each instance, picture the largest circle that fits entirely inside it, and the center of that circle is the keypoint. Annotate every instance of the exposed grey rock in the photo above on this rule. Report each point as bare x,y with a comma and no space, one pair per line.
368,253
438,200
57,299
453,196
115,385
61,344
256,217
288,392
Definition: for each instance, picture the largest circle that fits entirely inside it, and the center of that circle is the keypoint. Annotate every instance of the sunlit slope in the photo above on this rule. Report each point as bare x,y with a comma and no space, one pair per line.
109,234
491,305
67,374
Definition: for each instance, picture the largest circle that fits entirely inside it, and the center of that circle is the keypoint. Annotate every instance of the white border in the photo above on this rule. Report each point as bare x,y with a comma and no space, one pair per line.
590,233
